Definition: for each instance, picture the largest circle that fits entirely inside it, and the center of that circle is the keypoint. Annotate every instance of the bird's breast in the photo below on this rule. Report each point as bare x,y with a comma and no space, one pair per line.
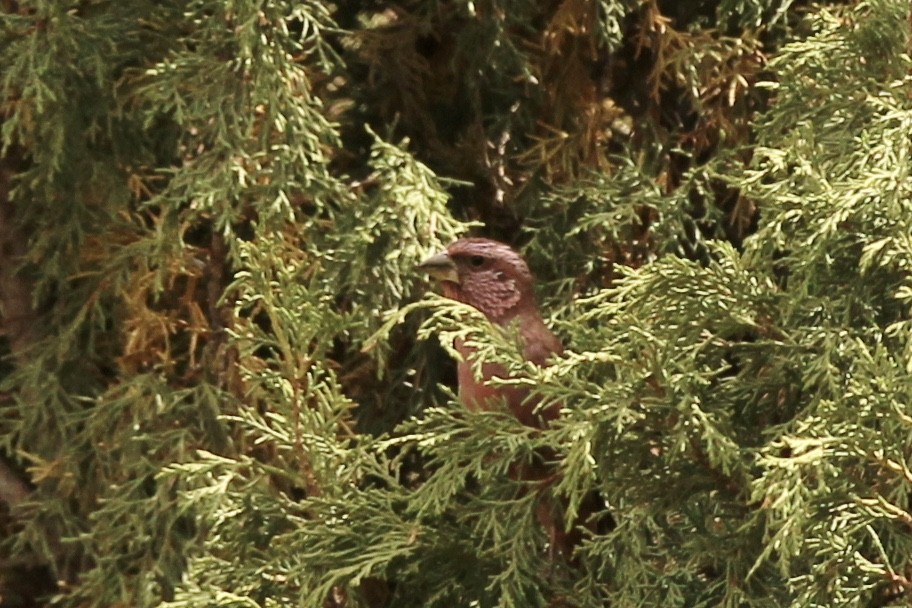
479,393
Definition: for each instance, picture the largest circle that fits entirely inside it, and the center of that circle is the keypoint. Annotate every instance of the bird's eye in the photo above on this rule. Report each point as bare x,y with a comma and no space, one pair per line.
476,260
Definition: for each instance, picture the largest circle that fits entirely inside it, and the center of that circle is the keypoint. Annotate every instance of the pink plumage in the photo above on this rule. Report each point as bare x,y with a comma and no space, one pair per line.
493,278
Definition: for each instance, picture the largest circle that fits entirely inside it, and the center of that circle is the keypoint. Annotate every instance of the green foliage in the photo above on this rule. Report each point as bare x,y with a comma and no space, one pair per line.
237,392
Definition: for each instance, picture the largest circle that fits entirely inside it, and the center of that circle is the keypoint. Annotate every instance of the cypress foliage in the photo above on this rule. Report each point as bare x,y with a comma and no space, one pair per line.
222,382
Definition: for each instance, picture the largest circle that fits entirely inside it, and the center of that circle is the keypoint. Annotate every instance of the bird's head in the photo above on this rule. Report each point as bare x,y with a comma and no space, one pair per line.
485,274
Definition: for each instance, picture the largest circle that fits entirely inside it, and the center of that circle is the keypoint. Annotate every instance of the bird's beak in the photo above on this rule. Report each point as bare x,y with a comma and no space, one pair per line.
441,267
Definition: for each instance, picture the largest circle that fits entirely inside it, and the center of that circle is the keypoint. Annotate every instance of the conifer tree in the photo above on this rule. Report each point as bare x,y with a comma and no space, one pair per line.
223,383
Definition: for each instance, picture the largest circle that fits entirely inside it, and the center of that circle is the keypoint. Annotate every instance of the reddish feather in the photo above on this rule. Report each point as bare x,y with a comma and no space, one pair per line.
493,278
502,287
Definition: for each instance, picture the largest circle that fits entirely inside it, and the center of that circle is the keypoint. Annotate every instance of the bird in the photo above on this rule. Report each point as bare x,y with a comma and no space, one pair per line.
493,278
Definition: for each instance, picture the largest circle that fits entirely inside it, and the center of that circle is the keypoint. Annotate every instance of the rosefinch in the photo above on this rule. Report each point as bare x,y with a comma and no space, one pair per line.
493,278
